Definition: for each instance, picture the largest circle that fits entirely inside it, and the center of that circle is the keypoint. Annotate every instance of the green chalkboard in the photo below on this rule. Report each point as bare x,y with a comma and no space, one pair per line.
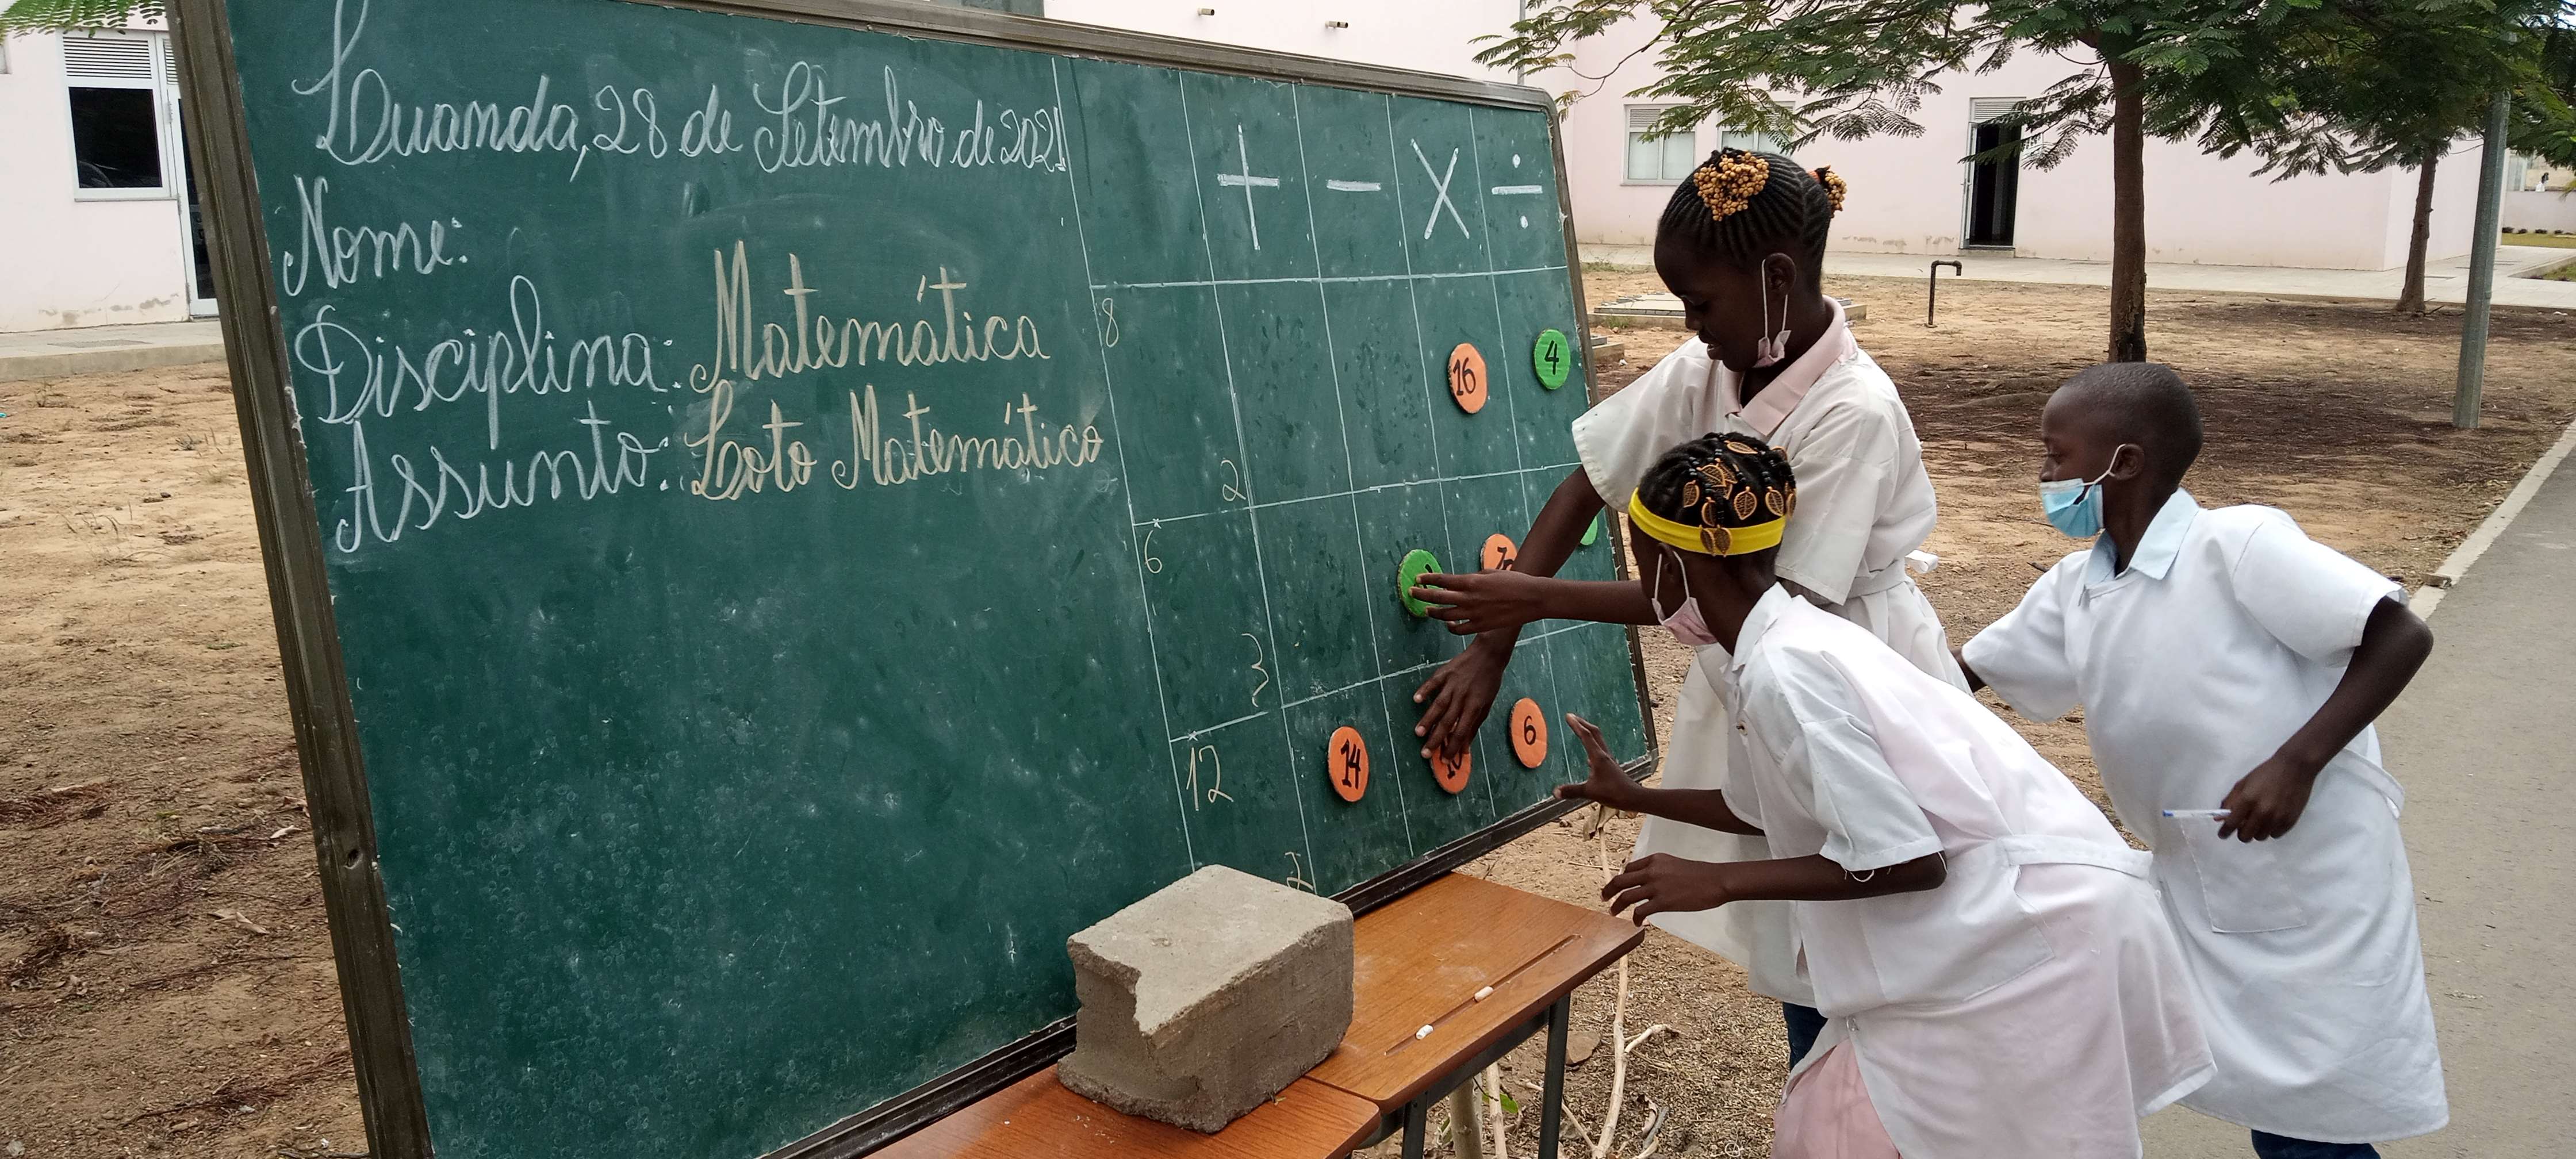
779,522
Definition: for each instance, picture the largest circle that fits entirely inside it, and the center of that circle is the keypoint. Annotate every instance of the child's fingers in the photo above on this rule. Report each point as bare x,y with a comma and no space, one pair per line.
1629,897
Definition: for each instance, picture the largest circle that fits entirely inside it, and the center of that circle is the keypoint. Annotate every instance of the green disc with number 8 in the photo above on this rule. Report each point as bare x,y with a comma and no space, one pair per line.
1417,563
1553,357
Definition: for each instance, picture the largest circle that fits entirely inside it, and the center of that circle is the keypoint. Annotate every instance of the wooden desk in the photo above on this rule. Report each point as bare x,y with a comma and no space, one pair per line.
1036,1118
1421,961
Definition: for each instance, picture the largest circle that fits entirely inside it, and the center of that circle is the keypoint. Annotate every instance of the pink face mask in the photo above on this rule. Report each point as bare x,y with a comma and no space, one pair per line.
1684,623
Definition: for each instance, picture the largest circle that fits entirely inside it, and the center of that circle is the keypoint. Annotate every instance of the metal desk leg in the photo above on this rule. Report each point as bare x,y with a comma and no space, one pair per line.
1417,1116
1552,1109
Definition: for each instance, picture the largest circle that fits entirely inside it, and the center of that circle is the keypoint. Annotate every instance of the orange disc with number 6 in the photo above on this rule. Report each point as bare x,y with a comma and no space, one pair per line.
1500,552
1467,377
1346,762
1529,733
1451,771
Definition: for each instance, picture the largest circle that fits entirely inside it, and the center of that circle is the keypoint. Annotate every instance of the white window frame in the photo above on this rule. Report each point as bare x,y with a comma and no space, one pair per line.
1628,141
165,114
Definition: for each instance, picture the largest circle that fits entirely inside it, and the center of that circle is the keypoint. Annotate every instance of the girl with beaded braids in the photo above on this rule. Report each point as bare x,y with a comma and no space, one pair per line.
1998,971
1742,243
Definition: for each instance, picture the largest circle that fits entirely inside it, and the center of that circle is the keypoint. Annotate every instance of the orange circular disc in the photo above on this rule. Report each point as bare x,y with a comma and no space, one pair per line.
1451,771
1500,552
1467,377
1529,733
1346,762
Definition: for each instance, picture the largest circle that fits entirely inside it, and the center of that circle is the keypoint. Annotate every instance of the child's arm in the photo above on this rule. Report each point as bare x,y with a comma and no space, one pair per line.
1495,605
1663,882
1610,786
2269,801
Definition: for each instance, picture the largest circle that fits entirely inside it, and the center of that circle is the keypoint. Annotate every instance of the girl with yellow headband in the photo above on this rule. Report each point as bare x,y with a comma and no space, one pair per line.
1997,976
1742,244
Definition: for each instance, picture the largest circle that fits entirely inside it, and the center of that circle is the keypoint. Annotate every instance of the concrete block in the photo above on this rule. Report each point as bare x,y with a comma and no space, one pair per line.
1207,998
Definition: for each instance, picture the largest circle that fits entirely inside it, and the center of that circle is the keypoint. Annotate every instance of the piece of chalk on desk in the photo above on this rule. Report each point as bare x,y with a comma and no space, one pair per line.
2195,813
1485,993
1423,1033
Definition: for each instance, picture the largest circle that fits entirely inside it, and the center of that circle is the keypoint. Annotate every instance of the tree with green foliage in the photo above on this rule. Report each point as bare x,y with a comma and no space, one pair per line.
2204,70
2400,84
63,15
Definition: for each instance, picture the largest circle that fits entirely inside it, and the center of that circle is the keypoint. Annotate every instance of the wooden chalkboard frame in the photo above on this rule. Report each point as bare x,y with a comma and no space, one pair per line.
291,549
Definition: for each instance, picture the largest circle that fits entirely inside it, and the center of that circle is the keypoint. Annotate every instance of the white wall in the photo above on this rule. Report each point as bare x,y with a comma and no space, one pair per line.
2539,209
73,263
1908,194
1424,35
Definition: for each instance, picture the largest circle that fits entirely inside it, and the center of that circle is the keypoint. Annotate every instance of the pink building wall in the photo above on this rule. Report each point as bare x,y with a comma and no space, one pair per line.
1908,194
73,262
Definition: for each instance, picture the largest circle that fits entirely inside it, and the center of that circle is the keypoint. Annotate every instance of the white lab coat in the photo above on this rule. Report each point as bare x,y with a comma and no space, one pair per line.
1864,504
2226,633
2034,1005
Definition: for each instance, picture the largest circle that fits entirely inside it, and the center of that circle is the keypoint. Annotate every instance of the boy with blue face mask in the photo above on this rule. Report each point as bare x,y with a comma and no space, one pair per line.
2229,668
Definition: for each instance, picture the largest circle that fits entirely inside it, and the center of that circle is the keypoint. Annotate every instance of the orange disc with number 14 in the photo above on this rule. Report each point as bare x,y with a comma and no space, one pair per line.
1346,761
1529,733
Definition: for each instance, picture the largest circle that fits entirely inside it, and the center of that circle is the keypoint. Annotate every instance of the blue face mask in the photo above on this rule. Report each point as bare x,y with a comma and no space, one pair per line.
2074,506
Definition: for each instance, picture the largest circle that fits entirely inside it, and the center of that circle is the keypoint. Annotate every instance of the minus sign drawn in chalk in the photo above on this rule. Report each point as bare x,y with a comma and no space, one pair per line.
1423,1033
2195,812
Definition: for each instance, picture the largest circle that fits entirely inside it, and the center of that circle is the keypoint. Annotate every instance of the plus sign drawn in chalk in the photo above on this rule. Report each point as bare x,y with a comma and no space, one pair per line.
1552,357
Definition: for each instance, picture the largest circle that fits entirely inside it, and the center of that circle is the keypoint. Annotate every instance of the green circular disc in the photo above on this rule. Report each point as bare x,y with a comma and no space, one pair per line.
1417,563
1592,531
1553,357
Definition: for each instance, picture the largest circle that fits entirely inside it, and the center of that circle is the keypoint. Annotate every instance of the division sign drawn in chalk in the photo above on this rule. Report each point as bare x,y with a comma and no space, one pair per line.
1243,157
1338,185
1440,188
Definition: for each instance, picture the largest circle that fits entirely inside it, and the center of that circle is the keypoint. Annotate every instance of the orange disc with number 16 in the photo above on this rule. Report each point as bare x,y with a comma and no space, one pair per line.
1529,733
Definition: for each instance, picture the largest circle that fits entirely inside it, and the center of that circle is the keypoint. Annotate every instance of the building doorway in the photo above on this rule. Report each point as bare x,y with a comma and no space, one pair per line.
1994,184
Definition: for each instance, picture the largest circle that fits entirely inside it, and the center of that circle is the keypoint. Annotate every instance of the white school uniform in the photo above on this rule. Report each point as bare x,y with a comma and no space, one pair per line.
2226,633
2034,1005
1864,504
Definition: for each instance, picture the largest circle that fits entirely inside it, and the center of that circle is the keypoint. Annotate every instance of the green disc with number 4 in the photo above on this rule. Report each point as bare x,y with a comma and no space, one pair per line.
1553,357
1417,563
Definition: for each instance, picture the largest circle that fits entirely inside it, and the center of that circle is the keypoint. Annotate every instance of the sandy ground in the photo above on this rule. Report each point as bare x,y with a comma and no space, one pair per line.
166,986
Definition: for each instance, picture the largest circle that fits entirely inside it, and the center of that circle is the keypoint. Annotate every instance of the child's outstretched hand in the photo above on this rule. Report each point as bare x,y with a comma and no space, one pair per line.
2269,800
1661,881
1608,784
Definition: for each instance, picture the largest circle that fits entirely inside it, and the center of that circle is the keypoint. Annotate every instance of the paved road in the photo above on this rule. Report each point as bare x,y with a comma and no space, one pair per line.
2485,741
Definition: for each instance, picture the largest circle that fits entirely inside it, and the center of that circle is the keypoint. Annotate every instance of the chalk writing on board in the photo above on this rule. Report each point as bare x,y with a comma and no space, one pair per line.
1215,790
809,131
420,503
1249,181
345,253
361,377
1025,444
1440,192
814,340
365,122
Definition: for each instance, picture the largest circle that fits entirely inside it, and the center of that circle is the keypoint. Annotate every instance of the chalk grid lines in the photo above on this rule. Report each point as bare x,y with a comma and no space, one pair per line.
1390,769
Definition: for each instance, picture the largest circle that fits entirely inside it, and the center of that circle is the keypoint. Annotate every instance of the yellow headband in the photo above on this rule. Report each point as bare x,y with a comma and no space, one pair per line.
1705,540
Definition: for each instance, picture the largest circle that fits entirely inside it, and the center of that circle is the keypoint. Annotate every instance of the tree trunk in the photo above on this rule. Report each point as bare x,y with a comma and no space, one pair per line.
2128,212
2411,299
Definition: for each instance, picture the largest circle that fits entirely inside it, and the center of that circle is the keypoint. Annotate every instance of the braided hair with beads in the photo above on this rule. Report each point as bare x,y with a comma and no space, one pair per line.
1719,494
1741,206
